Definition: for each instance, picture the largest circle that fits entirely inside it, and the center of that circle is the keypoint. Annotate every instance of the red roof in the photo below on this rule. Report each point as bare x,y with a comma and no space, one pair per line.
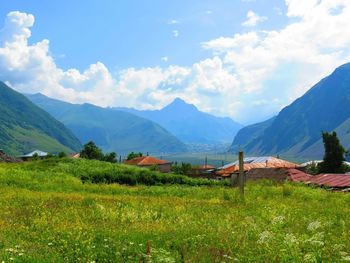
270,162
146,161
331,180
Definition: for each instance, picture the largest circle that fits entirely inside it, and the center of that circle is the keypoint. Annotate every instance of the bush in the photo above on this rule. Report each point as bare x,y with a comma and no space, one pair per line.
103,172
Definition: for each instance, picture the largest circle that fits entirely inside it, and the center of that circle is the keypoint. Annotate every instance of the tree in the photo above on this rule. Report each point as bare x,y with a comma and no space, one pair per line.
62,155
91,151
110,157
133,155
334,154
184,168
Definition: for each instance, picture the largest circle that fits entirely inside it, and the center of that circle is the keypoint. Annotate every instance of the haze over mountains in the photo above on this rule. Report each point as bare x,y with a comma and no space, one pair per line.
110,129
25,127
189,124
296,131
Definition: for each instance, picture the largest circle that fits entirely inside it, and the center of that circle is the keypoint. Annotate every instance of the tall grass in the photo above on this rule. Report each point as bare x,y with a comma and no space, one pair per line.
49,215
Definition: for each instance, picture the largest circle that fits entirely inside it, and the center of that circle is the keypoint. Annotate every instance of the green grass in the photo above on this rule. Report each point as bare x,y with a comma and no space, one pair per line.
49,215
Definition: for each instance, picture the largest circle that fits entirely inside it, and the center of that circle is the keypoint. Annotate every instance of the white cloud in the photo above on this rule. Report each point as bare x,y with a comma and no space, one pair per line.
165,59
253,19
174,22
175,33
306,50
249,77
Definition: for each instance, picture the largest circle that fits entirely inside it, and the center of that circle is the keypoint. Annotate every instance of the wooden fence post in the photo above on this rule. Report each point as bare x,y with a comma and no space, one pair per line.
241,174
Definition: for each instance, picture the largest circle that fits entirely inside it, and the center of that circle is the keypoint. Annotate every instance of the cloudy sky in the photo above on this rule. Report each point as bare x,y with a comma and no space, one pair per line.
240,58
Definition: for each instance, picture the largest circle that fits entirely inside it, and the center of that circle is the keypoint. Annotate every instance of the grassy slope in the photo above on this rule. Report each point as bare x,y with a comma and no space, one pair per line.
48,215
110,129
24,126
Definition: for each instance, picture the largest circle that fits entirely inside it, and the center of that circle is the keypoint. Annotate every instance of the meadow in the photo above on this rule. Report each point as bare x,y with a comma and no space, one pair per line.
54,211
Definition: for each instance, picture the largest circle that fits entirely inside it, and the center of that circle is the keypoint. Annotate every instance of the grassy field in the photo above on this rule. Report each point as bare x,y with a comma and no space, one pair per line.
49,215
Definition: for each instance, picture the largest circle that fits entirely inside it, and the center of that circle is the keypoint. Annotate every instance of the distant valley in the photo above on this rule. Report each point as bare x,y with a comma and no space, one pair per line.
190,125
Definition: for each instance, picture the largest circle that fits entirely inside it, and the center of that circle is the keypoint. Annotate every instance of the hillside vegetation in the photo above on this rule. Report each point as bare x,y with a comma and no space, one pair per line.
25,127
112,130
296,131
48,214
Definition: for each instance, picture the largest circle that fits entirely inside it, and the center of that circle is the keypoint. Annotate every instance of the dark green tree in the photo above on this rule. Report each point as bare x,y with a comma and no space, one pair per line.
334,154
91,151
133,155
110,157
184,168
62,155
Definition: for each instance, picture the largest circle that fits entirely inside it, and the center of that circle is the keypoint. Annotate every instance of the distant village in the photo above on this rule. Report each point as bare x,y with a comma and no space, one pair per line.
255,168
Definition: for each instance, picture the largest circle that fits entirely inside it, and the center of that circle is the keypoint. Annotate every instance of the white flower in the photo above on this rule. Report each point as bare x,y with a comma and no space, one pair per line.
265,237
309,258
314,225
346,258
278,220
290,239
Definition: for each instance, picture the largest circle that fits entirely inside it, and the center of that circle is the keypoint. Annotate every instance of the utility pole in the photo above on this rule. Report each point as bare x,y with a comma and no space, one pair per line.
241,174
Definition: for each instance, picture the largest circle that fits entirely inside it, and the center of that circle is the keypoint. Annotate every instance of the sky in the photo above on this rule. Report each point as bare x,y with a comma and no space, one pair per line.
246,59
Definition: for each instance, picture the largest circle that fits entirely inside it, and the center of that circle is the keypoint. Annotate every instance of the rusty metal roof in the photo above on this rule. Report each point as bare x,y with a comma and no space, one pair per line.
256,162
146,161
331,180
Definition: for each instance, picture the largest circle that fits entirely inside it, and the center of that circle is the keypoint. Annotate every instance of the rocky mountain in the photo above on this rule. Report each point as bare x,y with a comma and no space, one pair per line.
296,130
189,124
25,127
110,129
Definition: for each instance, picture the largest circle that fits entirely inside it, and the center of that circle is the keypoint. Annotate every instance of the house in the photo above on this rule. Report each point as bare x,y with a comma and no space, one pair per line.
33,154
254,163
205,171
148,161
4,158
334,181
74,155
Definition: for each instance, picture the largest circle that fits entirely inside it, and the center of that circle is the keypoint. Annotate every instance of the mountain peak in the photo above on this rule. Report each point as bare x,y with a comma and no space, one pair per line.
180,104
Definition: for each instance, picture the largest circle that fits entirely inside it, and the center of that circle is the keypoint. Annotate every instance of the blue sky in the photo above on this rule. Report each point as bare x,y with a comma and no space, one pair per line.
240,58
136,33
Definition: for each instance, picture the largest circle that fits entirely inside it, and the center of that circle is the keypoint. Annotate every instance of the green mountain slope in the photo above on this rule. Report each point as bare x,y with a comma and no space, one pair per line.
110,129
25,127
296,131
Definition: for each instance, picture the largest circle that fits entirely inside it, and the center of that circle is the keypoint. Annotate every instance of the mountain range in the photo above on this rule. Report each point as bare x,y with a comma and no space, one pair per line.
189,124
111,129
25,127
296,131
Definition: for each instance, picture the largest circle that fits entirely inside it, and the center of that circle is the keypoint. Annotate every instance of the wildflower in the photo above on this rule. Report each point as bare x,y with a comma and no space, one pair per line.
317,239
314,226
20,254
278,220
290,239
346,258
264,237
309,258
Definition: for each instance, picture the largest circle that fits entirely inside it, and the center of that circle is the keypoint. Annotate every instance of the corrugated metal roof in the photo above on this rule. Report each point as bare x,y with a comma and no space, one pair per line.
146,161
36,152
331,180
256,162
